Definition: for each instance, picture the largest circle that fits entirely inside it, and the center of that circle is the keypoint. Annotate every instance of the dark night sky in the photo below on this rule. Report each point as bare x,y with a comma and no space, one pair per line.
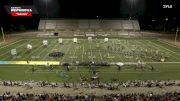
106,8
102,8
144,10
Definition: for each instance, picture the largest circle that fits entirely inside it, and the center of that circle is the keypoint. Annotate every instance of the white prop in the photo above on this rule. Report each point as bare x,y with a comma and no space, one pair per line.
139,62
29,47
75,40
13,52
120,64
45,42
60,40
162,59
89,38
105,39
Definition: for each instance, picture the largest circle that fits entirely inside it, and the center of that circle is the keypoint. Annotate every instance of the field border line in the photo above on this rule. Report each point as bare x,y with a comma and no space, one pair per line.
104,72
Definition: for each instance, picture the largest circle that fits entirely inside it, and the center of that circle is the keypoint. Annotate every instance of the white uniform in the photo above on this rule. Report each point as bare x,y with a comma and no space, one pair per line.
45,42
29,47
60,40
13,52
75,40
105,39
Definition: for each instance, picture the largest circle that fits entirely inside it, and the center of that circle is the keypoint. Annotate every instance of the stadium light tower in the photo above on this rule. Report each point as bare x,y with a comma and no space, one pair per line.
46,9
166,21
3,34
177,30
131,8
46,2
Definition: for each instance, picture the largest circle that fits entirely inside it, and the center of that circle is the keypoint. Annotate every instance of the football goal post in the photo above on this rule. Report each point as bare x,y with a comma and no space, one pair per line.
176,36
3,37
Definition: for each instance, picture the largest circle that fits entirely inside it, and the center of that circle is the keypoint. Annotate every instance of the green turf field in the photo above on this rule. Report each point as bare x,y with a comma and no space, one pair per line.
149,51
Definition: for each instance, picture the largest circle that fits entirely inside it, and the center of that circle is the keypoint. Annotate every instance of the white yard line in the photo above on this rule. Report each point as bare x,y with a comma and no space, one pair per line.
165,49
17,48
100,55
113,54
164,62
27,72
11,43
74,52
26,50
127,63
75,72
63,47
91,53
120,57
49,47
142,44
11,70
62,60
127,46
169,43
82,55
45,56
108,54
27,56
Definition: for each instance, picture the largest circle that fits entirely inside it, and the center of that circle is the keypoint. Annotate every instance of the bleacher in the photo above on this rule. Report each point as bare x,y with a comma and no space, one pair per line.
85,27
89,24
